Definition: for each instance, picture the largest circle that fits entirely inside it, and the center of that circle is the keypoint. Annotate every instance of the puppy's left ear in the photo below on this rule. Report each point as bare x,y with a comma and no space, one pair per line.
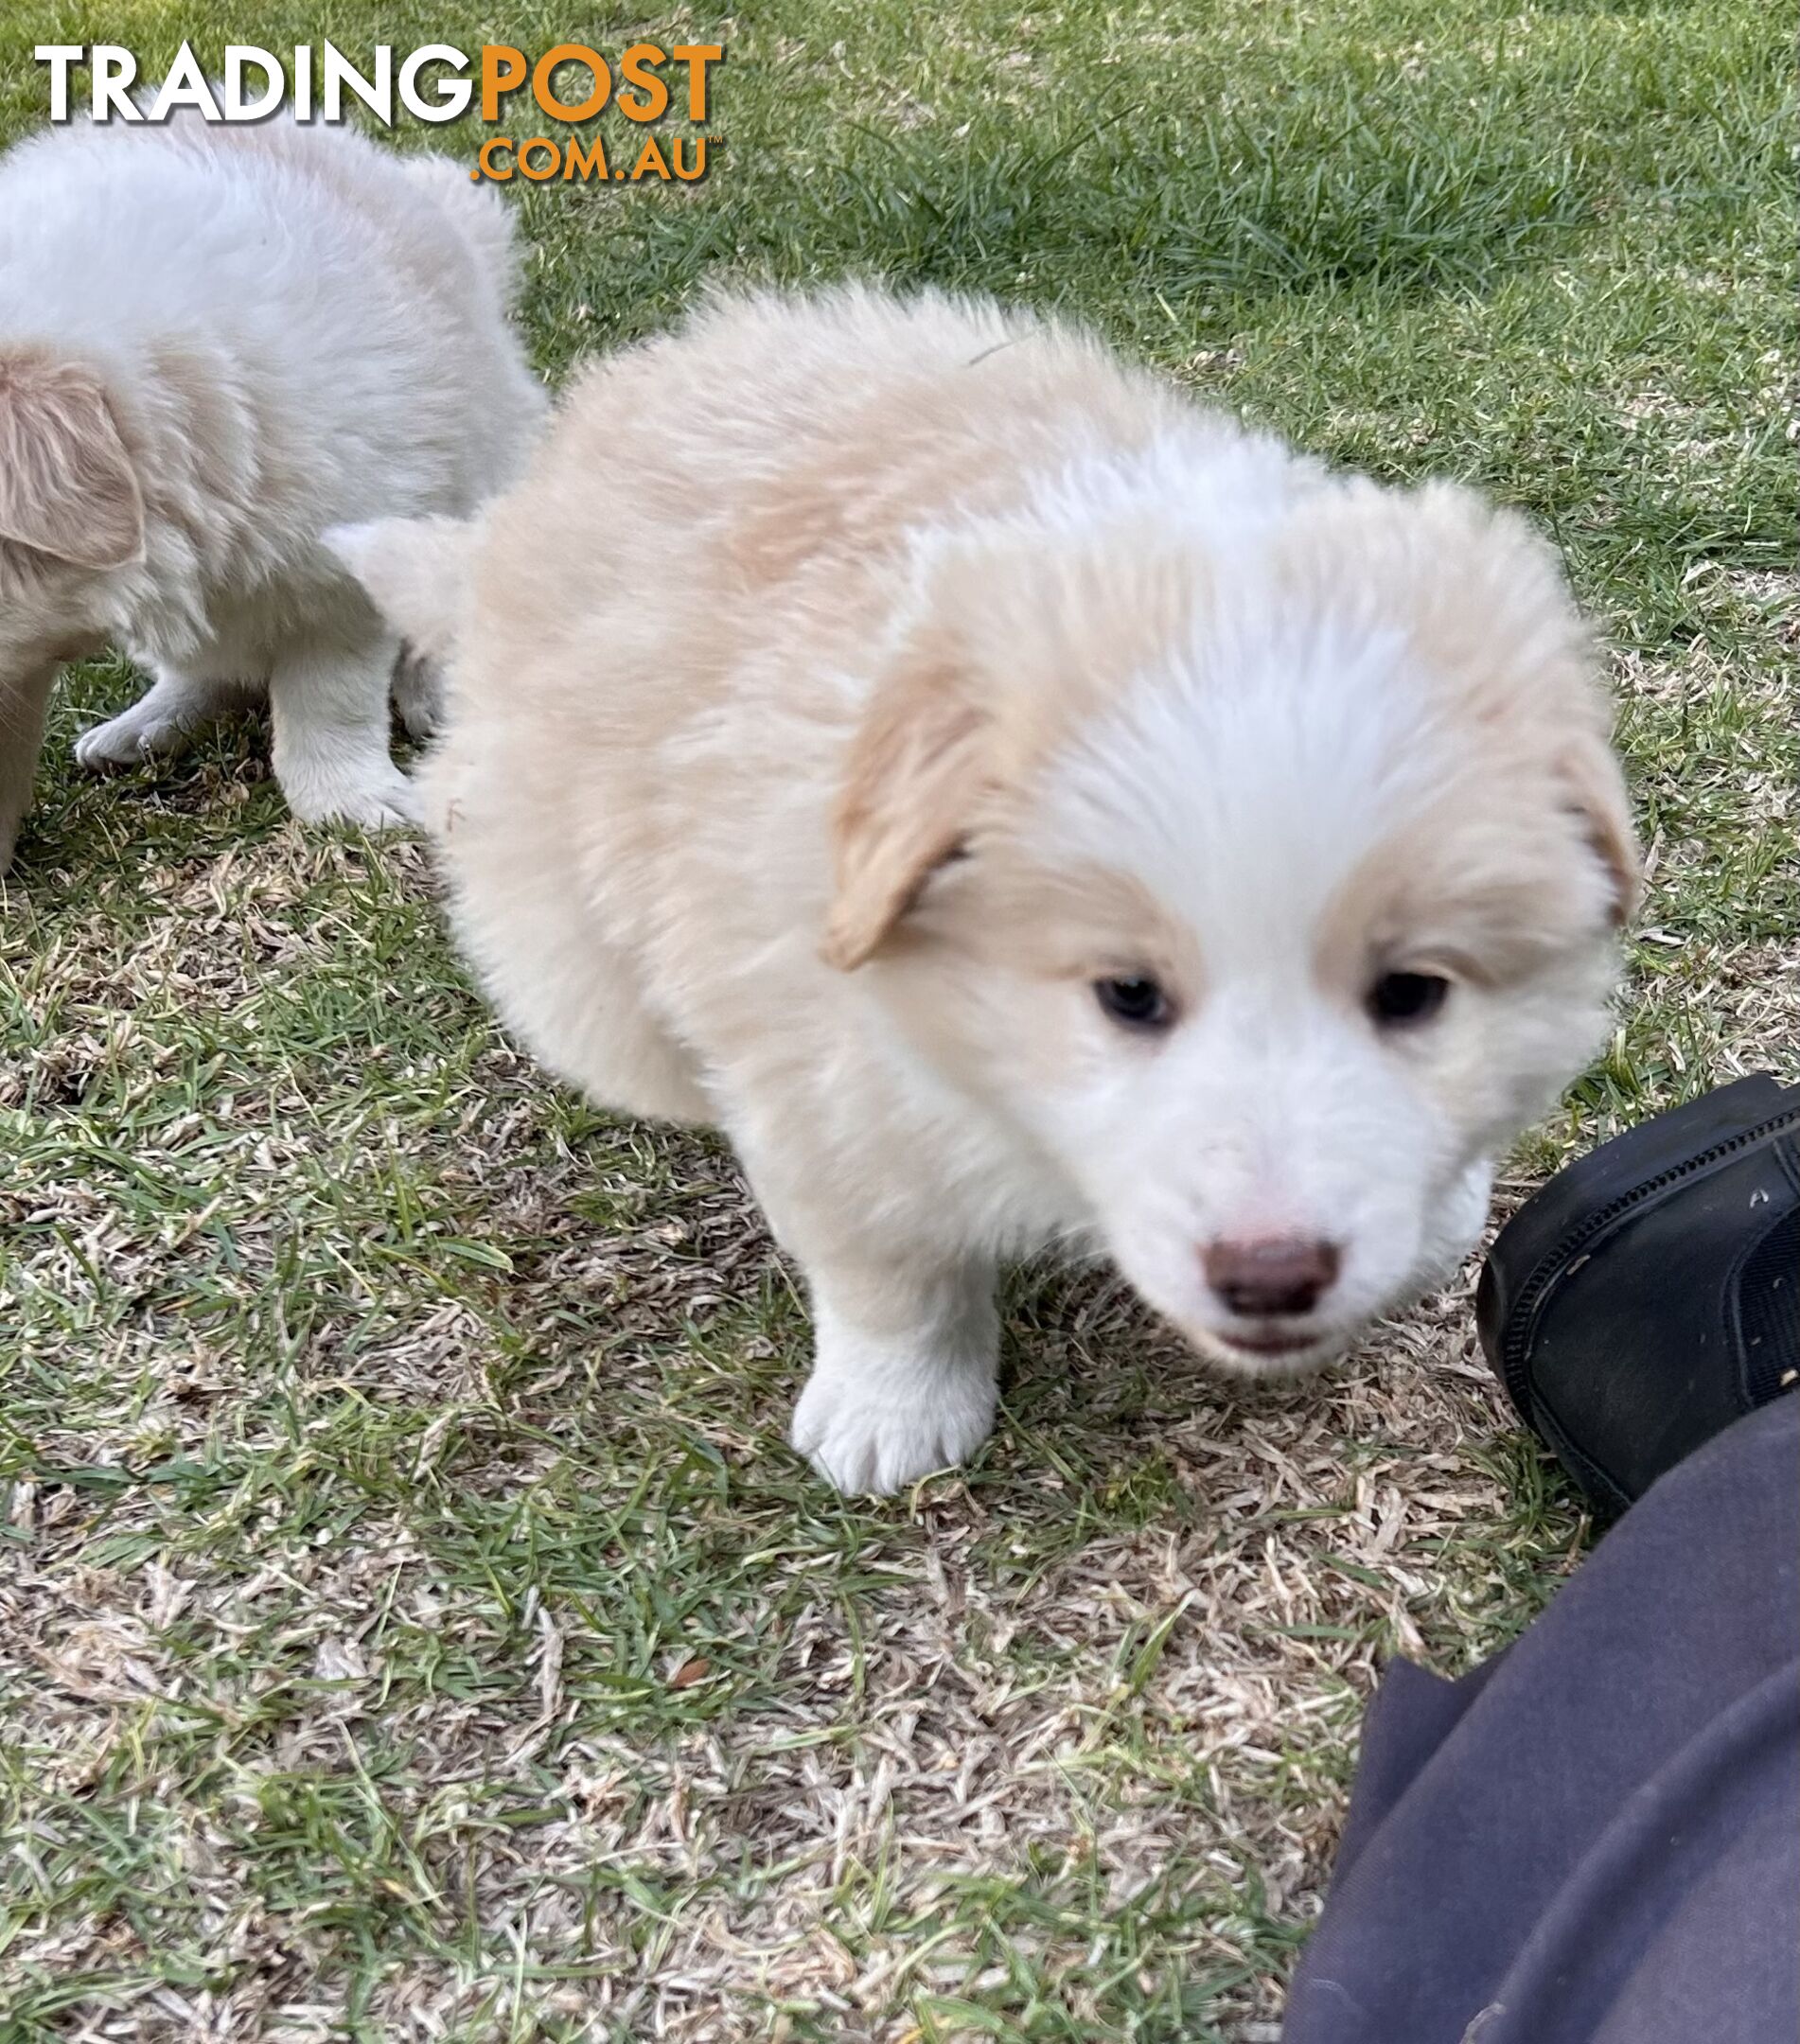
1597,794
67,487
915,770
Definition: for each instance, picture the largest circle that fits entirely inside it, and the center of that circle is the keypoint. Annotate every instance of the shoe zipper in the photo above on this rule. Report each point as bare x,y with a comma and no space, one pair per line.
1522,1318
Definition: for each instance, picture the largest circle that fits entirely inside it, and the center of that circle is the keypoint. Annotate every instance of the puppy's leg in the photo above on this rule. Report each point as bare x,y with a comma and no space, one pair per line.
906,1358
418,693
330,700
23,702
161,721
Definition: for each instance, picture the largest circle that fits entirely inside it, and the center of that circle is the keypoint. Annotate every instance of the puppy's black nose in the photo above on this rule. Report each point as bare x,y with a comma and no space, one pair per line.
1276,1275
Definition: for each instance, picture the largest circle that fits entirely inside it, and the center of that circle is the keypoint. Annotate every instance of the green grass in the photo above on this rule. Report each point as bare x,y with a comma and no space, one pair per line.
409,1602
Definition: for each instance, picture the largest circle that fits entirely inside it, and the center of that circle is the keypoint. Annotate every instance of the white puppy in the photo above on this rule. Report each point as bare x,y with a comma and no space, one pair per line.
1017,805
214,342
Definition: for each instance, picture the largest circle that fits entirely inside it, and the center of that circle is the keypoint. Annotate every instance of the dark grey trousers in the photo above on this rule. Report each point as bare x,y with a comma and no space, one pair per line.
1593,1839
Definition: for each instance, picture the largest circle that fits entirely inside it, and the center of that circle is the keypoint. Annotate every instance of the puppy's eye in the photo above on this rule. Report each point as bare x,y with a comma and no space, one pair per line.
1398,999
1137,1003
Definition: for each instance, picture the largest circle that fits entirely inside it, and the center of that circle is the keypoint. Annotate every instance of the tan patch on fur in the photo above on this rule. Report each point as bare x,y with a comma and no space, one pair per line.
1591,769
1462,893
1024,645
1481,600
67,487
1081,922
913,778
859,483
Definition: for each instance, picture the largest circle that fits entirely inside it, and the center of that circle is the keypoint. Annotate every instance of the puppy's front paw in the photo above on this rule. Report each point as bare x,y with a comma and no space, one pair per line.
875,1438
380,801
129,739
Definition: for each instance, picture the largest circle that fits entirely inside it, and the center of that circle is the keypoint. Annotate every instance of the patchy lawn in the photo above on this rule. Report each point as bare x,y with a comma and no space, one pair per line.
411,1621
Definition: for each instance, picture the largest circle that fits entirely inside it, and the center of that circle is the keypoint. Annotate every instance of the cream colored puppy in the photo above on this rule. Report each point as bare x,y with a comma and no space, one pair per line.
214,342
1017,805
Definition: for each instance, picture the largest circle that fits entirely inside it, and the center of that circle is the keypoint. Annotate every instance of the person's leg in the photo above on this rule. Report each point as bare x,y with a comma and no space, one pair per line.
1595,1840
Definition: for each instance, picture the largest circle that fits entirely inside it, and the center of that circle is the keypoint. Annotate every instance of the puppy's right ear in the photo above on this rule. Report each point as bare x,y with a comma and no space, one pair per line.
916,769
1596,784
416,571
67,487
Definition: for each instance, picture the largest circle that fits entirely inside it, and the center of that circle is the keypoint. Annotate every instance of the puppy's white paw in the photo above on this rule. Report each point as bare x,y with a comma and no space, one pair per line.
378,802
875,1438
131,738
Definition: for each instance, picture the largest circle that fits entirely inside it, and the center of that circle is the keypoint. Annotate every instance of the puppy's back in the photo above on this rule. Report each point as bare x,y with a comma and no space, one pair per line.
677,613
777,443
320,259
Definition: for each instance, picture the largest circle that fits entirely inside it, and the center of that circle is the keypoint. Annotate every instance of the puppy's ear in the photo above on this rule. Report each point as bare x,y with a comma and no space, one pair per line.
1597,794
416,571
915,770
67,487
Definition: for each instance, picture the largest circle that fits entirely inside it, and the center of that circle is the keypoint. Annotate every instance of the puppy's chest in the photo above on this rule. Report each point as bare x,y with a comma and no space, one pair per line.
984,1179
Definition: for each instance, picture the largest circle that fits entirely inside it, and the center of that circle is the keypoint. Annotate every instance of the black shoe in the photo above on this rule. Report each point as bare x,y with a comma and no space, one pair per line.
1649,1294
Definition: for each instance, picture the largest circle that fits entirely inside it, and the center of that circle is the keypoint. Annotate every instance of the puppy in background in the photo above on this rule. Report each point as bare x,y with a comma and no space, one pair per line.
214,342
1019,806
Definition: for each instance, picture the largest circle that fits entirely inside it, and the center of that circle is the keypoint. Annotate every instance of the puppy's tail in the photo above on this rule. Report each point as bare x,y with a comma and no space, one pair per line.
416,571
478,213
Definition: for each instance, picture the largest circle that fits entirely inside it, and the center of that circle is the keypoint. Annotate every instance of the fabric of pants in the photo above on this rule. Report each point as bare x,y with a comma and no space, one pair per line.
1595,1838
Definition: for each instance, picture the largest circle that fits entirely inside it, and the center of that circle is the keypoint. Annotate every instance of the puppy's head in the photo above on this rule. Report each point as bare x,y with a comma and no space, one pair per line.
1263,883
71,511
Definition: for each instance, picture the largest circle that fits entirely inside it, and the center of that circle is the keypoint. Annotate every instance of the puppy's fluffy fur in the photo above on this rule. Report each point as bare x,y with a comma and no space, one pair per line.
214,342
851,687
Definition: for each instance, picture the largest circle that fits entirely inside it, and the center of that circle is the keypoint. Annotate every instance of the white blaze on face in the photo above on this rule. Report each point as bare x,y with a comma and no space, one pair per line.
1242,792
